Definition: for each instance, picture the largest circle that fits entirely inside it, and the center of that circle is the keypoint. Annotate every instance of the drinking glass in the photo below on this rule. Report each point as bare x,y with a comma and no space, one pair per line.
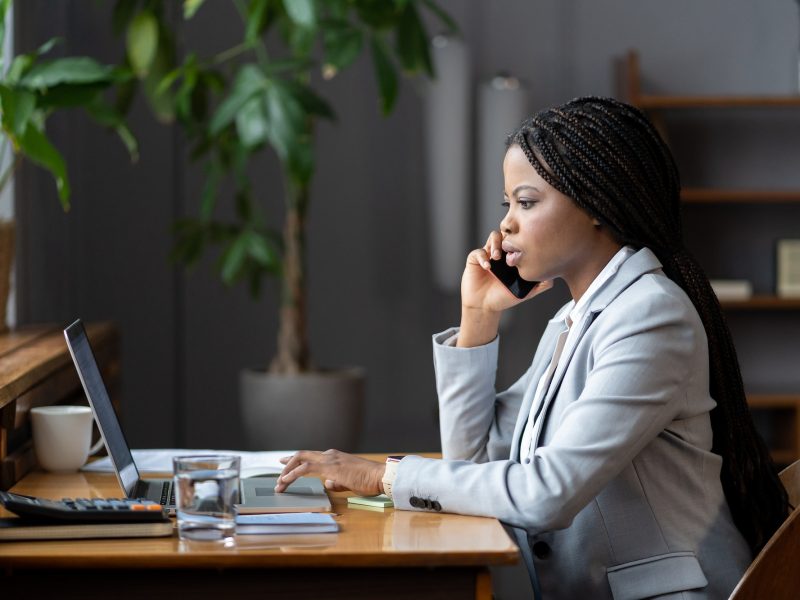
206,490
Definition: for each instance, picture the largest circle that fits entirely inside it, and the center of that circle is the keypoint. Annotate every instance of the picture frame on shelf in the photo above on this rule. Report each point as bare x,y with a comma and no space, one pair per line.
788,267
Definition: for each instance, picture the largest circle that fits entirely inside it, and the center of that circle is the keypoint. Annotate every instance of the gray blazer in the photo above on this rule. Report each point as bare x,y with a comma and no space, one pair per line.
621,496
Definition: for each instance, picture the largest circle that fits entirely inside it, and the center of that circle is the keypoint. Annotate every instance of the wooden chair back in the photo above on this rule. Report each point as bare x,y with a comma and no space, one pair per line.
775,572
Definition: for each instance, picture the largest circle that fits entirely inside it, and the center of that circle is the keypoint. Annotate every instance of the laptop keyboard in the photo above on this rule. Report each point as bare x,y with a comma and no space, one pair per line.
167,494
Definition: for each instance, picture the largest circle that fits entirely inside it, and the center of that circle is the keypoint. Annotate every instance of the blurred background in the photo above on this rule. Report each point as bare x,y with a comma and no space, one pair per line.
375,296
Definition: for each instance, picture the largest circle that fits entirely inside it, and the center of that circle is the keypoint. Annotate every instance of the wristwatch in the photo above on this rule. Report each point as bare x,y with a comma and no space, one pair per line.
389,474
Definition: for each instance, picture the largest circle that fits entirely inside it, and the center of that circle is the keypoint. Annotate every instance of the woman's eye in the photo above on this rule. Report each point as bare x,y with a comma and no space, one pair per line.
505,204
525,204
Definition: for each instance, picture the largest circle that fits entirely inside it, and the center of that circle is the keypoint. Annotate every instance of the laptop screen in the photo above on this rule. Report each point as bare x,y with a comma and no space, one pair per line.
104,414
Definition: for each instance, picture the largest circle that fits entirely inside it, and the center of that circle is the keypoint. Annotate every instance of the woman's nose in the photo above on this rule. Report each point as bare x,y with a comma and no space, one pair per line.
506,223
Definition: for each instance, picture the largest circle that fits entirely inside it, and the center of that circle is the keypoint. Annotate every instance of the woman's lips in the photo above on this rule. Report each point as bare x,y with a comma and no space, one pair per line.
513,254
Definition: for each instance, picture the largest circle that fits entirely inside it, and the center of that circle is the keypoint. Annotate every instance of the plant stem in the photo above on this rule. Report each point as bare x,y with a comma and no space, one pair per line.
230,53
293,354
9,172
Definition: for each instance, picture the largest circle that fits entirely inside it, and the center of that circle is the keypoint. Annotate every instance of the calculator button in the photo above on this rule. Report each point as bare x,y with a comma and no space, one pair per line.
152,507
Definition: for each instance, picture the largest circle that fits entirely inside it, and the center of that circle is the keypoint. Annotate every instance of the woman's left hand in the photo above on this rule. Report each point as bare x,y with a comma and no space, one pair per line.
341,471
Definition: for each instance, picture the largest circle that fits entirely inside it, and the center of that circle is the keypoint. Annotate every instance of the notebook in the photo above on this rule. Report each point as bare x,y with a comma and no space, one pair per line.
257,495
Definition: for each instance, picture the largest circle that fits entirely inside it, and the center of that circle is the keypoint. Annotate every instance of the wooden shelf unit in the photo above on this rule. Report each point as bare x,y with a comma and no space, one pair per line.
762,302
726,196
630,89
782,410
36,370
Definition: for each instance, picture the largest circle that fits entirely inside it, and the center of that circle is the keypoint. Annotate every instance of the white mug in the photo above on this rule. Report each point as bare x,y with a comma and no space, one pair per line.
62,436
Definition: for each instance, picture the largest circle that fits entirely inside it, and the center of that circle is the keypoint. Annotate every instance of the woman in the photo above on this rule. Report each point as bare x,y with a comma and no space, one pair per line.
625,457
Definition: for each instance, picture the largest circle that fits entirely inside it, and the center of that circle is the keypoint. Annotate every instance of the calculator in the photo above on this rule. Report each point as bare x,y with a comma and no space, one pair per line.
83,510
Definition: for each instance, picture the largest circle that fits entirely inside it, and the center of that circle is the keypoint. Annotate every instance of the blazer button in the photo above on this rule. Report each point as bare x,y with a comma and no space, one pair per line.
436,506
541,550
416,502
427,503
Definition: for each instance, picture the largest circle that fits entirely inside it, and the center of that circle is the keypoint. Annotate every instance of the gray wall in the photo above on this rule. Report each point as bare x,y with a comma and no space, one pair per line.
372,302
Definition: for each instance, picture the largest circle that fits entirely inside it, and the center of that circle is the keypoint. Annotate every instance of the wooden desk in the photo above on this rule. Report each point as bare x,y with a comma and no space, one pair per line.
376,554
36,370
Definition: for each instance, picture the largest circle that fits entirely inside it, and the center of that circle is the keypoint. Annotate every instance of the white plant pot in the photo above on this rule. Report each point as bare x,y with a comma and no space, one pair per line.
310,411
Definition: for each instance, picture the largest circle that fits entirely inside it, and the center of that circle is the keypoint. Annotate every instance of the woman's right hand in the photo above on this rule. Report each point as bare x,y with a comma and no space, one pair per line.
484,297
481,290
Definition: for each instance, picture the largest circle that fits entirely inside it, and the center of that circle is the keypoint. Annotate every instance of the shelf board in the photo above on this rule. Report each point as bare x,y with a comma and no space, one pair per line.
783,457
762,302
659,102
773,400
728,196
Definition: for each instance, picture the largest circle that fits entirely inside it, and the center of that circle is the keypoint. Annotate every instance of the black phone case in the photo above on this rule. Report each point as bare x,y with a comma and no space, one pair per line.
509,277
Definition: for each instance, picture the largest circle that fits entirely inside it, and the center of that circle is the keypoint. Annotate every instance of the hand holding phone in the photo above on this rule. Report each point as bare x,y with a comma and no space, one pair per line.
509,277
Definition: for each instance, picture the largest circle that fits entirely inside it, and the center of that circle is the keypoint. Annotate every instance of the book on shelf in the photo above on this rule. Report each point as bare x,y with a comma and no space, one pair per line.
15,529
732,289
285,523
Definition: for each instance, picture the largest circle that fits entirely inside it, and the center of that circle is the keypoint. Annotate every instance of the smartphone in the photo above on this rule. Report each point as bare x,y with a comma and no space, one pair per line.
509,277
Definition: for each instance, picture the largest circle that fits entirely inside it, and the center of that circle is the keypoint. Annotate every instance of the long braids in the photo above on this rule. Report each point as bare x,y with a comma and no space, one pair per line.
608,157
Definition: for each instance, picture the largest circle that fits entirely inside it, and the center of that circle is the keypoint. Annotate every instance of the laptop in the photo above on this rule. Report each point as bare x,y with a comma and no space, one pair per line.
257,494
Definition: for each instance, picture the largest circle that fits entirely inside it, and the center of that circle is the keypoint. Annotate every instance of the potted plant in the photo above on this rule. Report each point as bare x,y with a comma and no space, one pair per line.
252,102
31,90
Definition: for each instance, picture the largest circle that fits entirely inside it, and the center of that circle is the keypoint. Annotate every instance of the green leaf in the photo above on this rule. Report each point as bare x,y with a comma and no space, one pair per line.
385,74
233,259
302,12
168,79
301,162
452,27
342,47
46,47
164,62
191,237
107,116
125,93
72,70
251,123
142,42
123,11
18,106
35,145
249,82
308,98
256,18
4,4
285,117
276,67
190,7
337,8
19,66
412,42
378,14
259,248
68,95
208,198
301,40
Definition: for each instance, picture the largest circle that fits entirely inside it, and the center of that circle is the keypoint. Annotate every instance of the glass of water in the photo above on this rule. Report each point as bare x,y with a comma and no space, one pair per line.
206,489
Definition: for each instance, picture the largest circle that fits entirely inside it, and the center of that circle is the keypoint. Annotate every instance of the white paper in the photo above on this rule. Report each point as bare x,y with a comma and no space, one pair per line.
160,461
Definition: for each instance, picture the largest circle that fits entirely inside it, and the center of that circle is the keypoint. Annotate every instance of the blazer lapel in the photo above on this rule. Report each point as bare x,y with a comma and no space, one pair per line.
540,363
558,375
644,261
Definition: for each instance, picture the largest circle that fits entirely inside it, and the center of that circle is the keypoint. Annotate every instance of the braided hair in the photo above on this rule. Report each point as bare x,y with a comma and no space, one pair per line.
609,159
